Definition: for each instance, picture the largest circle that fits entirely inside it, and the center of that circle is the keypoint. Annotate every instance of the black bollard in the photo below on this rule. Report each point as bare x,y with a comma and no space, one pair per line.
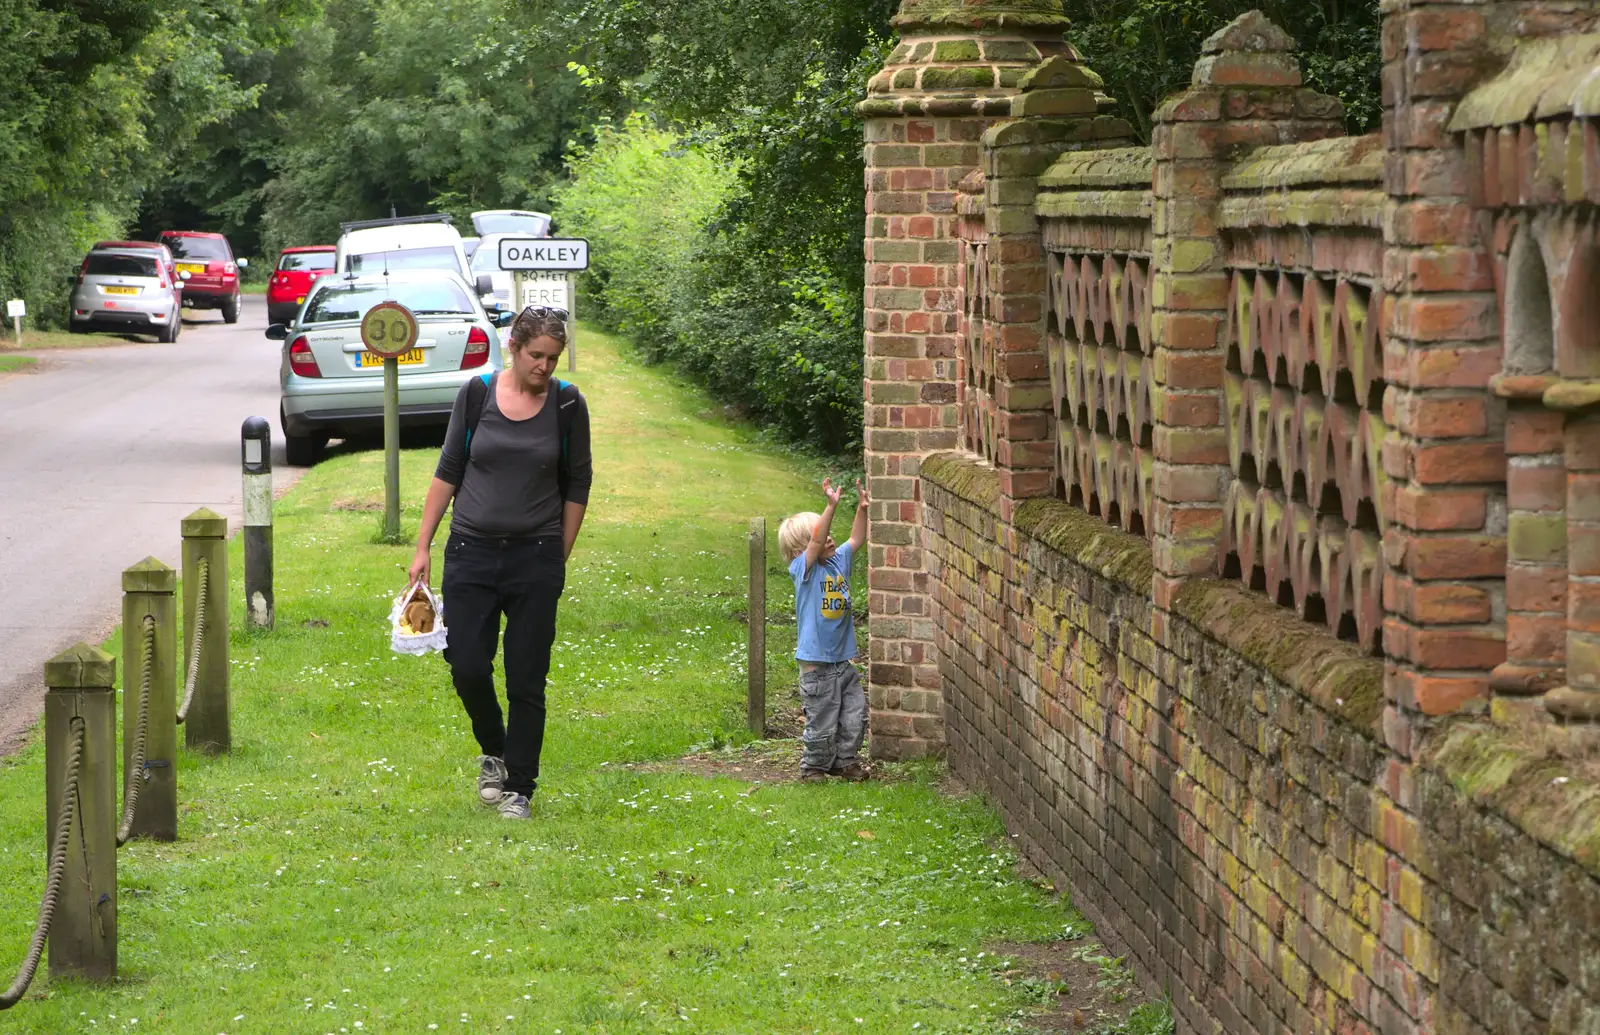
256,454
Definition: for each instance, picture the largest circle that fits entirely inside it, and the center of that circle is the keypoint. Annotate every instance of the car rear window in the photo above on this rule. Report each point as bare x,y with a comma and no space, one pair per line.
103,265
403,259
530,224
198,248
352,302
306,261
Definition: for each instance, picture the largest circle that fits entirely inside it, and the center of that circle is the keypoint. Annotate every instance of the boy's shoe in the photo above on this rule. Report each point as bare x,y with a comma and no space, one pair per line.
491,779
514,806
855,772
813,775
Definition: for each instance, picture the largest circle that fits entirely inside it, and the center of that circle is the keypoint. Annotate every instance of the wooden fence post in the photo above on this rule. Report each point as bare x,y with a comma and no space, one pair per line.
207,726
83,933
756,705
149,589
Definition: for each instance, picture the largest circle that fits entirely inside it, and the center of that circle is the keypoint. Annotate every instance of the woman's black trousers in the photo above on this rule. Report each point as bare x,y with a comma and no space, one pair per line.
521,579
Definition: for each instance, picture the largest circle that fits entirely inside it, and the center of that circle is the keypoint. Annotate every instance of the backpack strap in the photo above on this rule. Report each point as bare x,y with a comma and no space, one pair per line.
477,397
566,413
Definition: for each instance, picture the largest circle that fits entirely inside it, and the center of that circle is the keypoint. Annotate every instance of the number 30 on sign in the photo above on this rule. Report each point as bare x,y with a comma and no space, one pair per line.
389,330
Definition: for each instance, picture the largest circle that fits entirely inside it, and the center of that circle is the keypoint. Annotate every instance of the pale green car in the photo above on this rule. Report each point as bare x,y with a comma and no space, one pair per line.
332,387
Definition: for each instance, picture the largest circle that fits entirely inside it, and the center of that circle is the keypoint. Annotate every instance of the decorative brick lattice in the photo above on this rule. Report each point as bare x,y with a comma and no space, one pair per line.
1304,516
978,426
1101,385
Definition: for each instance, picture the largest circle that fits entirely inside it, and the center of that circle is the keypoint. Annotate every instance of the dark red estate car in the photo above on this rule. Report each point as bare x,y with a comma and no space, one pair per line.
297,269
213,273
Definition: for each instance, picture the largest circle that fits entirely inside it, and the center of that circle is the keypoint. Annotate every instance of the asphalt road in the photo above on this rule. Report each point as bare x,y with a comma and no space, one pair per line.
102,453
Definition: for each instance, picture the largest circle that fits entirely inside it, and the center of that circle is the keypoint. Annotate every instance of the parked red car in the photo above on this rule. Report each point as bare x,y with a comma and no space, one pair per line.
213,272
298,269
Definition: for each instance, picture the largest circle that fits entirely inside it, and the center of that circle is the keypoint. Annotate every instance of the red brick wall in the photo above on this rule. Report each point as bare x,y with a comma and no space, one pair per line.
1220,800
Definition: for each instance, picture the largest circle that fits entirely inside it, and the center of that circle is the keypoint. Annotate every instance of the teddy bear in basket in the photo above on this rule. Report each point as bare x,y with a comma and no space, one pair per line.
417,622
418,616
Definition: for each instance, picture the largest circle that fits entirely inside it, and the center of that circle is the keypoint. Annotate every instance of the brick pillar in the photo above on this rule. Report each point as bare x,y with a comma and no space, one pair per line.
1536,553
952,76
1579,700
1245,93
1445,457
1058,110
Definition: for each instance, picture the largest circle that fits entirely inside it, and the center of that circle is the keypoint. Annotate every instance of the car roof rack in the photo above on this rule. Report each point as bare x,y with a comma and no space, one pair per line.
368,224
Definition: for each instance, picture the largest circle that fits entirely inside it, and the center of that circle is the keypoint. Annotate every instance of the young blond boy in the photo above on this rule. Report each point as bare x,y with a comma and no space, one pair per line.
830,687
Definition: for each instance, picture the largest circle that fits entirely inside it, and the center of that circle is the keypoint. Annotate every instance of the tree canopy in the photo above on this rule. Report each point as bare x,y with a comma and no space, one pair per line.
272,120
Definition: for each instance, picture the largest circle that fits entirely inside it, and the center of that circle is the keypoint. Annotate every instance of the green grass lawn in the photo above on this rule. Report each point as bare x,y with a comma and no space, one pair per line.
335,873
11,364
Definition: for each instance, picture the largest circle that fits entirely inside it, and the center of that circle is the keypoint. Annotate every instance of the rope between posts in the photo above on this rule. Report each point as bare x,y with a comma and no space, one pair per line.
136,774
58,863
201,593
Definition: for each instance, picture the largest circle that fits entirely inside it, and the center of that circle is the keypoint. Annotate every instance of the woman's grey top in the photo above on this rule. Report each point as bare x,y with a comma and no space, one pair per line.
509,487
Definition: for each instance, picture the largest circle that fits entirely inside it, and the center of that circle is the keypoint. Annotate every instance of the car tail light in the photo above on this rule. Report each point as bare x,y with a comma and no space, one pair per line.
229,268
302,360
477,351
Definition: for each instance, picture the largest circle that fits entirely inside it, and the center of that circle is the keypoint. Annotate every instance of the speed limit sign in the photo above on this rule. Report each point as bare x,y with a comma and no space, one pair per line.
389,330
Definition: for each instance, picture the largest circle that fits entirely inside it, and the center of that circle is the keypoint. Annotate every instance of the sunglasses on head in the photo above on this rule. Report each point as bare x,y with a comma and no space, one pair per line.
539,312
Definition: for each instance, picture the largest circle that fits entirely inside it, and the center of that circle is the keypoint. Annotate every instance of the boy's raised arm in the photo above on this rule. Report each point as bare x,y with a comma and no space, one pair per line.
858,530
819,535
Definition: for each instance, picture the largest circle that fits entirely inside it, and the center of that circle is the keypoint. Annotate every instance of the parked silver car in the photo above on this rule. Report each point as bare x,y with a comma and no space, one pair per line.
129,289
333,387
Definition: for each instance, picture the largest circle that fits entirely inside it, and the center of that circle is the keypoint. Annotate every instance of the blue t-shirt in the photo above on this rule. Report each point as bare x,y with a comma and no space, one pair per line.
822,607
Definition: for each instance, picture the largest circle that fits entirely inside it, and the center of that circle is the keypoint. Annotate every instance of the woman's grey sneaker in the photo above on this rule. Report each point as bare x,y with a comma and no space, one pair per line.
514,806
491,779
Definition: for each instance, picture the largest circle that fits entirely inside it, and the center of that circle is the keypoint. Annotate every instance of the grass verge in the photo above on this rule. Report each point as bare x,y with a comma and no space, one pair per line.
336,875
43,341
11,364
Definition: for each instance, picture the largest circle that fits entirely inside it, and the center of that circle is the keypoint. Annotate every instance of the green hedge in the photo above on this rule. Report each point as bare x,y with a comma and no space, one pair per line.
695,289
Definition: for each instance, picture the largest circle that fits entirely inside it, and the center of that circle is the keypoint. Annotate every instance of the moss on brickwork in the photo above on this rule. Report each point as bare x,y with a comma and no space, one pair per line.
966,77
964,477
1335,674
1546,78
1508,770
1113,167
1089,541
981,15
956,50
1343,160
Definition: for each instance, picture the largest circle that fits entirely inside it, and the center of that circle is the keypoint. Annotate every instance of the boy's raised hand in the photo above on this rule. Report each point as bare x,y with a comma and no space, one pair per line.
830,492
862,498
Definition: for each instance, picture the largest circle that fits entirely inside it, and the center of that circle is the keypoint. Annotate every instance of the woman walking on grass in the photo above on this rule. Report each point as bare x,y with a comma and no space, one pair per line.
516,463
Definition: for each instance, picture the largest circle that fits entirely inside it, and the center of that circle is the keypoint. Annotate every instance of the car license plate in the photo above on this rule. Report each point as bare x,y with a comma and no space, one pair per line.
191,267
372,359
122,291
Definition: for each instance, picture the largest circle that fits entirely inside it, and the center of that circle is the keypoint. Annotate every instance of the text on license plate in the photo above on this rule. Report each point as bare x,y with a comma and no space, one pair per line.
372,359
122,291
191,267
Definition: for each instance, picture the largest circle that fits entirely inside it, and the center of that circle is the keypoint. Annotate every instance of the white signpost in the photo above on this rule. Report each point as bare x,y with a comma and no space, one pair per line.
546,271
16,309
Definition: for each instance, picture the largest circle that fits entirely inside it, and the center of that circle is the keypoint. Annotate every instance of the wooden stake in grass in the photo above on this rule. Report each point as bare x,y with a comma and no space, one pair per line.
149,589
757,618
83,933
207,727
